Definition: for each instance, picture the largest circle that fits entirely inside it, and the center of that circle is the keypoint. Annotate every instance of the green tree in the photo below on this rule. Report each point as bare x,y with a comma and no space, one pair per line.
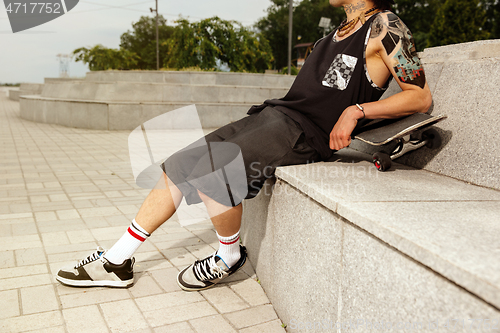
458,21
492,23
214,41
306,17
103,58
142,40
418,17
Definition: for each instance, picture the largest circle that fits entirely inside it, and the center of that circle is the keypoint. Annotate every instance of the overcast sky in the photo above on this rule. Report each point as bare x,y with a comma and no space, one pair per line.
30,56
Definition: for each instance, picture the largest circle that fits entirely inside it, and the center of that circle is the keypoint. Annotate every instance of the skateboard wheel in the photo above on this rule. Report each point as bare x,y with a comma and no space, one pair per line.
382,161
433,138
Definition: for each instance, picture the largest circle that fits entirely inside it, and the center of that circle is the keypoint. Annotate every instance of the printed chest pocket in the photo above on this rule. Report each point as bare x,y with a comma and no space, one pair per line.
340,72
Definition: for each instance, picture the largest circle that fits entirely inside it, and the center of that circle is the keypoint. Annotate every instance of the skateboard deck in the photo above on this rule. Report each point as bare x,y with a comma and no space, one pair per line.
403,132
388,130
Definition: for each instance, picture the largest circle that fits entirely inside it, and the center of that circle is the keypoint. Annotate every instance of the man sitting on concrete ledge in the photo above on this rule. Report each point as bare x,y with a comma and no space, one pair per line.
336,91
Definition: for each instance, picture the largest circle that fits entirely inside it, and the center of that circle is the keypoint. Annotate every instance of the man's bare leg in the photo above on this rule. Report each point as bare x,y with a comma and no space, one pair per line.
227,222
117,268
159,206
230,256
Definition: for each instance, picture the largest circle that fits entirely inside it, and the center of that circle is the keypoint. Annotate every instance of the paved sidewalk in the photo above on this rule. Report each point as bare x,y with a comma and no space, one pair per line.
65,191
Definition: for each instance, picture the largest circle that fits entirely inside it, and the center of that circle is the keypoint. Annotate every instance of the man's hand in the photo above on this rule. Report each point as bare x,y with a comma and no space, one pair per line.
340,136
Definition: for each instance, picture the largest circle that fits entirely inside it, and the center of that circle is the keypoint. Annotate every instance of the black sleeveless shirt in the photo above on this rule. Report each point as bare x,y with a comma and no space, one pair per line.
333,78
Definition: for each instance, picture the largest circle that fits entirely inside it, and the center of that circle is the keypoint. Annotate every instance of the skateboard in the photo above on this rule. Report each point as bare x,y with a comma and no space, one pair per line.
396,137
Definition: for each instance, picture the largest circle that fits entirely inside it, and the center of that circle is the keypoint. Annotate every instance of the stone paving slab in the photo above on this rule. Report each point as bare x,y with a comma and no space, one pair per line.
63,191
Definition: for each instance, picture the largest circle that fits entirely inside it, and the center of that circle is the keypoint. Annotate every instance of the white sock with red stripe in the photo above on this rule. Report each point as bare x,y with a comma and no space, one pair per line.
125,247
229,249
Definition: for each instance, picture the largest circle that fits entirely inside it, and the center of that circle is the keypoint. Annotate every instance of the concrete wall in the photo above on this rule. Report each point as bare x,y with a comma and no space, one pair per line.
13,94
196,78
159,92
120,115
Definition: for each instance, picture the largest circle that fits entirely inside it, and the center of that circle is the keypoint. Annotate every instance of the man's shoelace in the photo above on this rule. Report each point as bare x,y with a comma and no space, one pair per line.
207,269
93,257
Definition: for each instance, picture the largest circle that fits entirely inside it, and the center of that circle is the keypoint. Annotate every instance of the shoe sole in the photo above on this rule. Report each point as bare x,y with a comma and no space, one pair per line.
105,283
207,287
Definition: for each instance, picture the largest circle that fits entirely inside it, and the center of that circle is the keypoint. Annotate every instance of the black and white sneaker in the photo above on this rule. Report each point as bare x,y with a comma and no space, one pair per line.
96,271
205,273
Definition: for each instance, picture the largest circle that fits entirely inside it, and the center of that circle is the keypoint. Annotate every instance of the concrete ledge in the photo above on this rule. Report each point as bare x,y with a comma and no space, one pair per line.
159,92
196,78
104,115
13,94
406,244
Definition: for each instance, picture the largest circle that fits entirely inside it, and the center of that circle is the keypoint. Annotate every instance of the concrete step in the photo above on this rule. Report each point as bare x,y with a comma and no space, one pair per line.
159,92
197,78
13,94
109,115
407,245
31,88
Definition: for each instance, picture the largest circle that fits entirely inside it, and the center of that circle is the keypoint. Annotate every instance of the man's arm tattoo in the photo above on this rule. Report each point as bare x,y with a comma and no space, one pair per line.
352,8
399,39
377,27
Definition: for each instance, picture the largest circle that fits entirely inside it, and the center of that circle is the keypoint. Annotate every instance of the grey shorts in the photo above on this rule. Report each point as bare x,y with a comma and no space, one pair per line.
264,140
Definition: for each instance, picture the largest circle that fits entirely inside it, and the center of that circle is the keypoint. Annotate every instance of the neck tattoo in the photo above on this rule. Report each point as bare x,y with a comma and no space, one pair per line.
352,8
347,26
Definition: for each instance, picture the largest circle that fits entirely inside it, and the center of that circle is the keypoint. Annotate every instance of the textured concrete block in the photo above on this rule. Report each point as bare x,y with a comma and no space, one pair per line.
93,297
224,299
9,306
177,93
26,257
84,318
179,313
468,153
428,233
85,91
462,52
217,115
7,259
382,285
202,78
168,300
123,316
26,108
310,229
124,116
62,110
252,316
255,95
34,322
251,291
38,299
258,235
209,94
177,77
352,178
212,324
98,117
183,327
166,278
269,327
127,91
14,94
